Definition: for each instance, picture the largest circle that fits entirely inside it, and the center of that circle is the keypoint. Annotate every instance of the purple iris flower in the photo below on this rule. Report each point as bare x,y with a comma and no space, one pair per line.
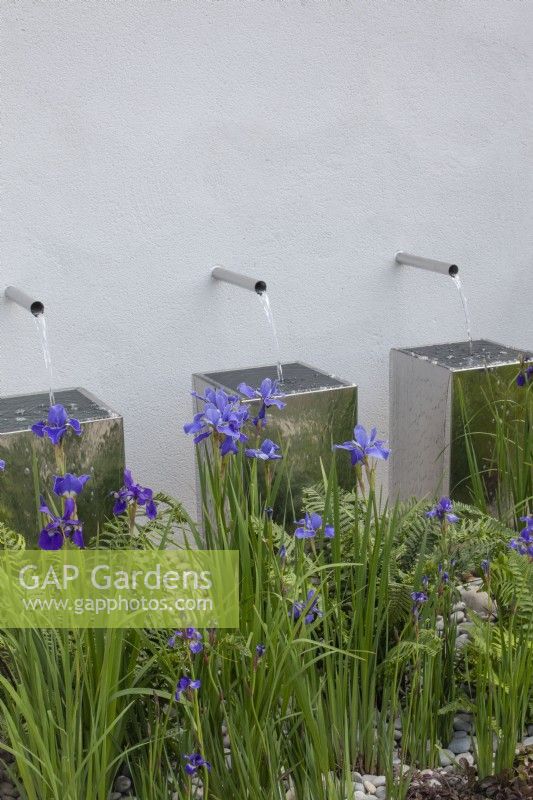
418,598
192,636
269,395
525,375
195,762
529,523
444,576
69,485
53,535
282,552
443,510
260,650
56,425
425,581
217,397
364,446
223,414
310,525
485,567
267,451
2,465
185,684
524,544
309,607
132,493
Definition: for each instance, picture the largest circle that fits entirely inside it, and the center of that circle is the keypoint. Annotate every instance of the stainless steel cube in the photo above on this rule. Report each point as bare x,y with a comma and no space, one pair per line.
432,391
30,461
321,410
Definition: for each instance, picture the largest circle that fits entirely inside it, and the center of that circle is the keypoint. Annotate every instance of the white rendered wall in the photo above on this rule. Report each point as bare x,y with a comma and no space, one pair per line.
303,142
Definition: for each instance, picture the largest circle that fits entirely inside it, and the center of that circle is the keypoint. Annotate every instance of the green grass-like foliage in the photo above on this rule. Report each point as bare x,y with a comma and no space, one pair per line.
322,700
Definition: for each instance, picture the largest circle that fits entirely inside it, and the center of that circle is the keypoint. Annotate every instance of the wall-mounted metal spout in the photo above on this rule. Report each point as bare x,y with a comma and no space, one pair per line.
25,300
444,267
245,282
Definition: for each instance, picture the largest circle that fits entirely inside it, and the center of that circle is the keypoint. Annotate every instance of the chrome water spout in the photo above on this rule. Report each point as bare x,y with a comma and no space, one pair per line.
444,267
25,300
244,281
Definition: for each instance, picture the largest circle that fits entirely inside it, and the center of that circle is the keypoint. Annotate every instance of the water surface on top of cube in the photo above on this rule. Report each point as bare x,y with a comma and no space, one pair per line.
297,378
458,356
20,412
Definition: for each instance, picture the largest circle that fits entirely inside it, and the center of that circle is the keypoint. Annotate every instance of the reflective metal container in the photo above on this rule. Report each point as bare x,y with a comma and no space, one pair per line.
433,391
30,461
321,410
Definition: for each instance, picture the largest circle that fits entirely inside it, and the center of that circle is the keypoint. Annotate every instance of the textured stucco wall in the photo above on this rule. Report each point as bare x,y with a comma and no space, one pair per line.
305,142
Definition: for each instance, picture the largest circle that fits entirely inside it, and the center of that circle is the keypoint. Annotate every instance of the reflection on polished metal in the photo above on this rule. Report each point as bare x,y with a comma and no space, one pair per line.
30,461
25,300
237,279
444,267
320,410
432,391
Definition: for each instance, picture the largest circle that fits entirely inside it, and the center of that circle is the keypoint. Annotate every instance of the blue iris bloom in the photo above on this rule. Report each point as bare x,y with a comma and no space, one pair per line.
68,526
185,684
69,485
223,414
190,635
310,525
309,608
525,375
364,446
267,451
418,598
56,424
132,493
443,510
195,761
524,544
260,650
268,394
2,465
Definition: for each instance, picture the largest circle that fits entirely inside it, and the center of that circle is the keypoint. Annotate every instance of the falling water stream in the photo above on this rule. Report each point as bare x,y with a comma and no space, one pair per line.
464,302
265,302
40,321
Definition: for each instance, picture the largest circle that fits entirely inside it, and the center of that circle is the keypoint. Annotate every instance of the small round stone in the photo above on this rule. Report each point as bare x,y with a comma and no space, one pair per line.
460,744
446,757
122,784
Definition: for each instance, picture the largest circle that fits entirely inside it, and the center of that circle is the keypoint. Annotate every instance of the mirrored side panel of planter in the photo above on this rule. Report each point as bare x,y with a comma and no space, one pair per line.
30,461
439,395
320,410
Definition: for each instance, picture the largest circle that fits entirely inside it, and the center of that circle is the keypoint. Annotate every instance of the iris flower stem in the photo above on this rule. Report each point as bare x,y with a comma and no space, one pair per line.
60,458
199,734
132,513
270,534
